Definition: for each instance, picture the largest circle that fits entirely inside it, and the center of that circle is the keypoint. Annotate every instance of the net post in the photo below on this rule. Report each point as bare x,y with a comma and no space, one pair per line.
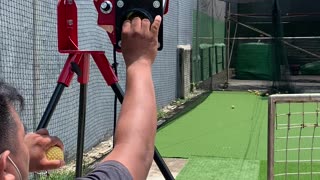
271,115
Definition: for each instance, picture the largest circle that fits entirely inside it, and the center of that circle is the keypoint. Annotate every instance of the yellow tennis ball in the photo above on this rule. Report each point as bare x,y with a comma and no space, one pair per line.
55,153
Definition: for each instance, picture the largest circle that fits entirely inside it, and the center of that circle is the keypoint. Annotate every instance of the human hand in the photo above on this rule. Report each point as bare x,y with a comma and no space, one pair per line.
38,143
140,40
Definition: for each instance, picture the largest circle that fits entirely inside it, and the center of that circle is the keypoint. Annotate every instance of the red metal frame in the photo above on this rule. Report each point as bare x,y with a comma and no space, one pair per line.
68,43
67,25
107,21
166,9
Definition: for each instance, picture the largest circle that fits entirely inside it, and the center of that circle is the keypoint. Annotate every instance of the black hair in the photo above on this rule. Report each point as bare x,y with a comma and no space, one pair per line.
9,96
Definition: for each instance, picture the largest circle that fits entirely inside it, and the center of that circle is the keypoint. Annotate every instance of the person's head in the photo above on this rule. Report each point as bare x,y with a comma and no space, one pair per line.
14,155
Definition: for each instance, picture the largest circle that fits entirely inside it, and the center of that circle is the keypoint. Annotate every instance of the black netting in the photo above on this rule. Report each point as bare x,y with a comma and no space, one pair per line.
272,46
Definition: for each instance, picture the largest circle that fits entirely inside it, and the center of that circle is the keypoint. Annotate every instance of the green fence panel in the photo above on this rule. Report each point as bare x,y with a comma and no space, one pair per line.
205,57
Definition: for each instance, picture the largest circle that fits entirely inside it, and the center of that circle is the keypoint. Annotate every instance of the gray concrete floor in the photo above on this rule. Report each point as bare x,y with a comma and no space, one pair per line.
175,166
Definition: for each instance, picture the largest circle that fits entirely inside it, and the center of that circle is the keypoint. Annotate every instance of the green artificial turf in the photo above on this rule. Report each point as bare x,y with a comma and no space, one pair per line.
219,169
215,129
222,142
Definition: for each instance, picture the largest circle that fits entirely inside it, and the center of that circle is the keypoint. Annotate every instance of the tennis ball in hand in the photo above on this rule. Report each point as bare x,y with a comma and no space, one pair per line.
55,153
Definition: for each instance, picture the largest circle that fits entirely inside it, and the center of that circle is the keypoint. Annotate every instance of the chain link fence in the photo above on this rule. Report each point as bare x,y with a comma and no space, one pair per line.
29,61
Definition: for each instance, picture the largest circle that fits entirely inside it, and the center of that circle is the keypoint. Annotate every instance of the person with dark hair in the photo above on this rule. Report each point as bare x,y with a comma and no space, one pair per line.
133,151
20,153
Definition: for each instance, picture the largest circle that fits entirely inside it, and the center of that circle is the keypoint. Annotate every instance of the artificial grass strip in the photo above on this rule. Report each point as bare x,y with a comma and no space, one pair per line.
292,168
220,169
215,129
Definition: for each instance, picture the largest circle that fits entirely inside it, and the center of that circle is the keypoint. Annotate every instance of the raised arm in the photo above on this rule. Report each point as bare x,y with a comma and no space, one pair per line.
136,128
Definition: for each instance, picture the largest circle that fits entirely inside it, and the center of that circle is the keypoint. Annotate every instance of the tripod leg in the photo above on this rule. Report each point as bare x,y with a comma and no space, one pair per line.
51,106
108,74
162,165
83,79
118,91
81,129
64,81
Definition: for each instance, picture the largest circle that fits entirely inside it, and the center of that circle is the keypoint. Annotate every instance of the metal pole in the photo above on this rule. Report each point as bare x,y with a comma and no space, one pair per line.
232,48
115,102
197,41
271,115
118,92
211,50
228,39
51,106
81,128
162,165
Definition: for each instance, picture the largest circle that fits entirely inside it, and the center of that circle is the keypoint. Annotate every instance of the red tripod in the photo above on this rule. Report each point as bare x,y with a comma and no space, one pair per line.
78,62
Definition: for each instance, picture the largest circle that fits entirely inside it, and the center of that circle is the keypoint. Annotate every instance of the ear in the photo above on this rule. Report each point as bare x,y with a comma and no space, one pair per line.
3,163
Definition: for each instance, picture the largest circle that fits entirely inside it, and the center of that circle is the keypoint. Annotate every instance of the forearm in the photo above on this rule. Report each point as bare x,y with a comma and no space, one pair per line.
137,121
136,128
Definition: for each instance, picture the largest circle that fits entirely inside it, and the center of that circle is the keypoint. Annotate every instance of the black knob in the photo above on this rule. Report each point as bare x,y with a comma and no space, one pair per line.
106,7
